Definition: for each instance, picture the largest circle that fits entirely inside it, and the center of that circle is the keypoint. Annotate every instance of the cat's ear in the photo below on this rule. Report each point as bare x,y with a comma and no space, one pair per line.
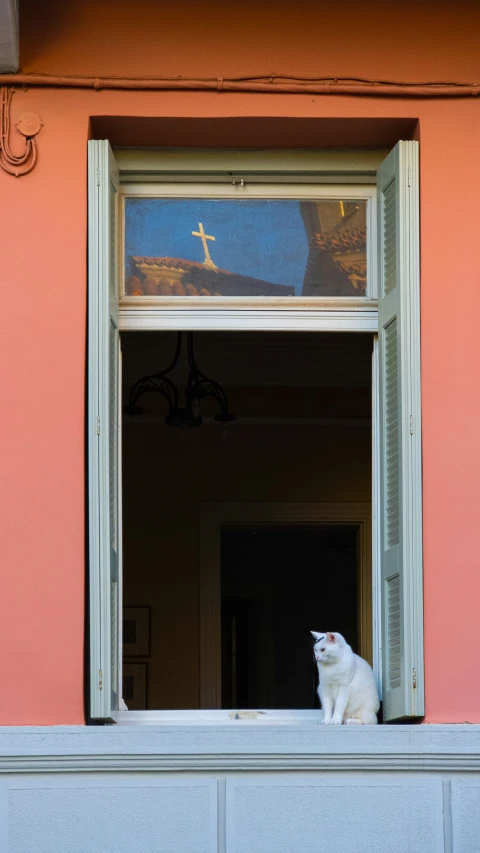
316,636
331,637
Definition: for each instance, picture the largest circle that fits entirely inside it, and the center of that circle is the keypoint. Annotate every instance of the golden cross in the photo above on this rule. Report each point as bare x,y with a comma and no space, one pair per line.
204,237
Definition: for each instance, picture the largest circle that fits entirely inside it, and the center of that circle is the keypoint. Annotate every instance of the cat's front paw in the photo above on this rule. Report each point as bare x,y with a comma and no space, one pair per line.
336,721
327,721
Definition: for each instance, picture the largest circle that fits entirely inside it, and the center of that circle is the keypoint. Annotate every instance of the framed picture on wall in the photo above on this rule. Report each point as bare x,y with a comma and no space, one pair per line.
134,686
136,631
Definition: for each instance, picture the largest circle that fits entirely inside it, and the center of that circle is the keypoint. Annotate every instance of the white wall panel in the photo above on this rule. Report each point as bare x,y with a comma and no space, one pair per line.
312,814
111,814
466,814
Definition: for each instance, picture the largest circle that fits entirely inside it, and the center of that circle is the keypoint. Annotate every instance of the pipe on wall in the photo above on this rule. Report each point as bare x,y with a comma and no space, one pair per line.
273,84
29,124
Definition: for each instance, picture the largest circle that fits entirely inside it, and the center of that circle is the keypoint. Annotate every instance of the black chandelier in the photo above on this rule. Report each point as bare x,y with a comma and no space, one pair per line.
197,388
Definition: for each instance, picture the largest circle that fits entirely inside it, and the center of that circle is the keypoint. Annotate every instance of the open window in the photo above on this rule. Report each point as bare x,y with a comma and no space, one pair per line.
377,562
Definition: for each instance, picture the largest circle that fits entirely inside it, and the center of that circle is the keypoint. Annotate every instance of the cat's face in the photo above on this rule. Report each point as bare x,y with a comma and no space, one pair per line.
328,647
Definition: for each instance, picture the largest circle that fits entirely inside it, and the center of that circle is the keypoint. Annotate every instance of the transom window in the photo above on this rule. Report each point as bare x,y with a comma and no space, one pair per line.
249,247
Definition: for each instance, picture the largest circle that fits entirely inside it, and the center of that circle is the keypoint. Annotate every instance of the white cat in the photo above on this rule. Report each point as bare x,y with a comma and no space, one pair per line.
347,688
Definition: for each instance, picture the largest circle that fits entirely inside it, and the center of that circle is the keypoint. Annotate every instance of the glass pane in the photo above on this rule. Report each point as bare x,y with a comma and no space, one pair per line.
247,247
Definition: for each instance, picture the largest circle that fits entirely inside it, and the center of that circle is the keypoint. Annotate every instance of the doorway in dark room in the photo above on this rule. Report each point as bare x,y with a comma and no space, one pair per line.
276,585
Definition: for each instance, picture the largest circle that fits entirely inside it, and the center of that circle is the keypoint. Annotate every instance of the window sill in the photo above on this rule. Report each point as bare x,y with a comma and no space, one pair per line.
219,718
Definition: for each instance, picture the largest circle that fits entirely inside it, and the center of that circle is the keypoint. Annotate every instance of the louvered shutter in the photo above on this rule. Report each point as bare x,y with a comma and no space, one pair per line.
400,419
103,431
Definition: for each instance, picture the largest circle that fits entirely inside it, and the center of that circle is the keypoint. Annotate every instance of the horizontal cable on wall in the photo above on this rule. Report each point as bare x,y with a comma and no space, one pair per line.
268,83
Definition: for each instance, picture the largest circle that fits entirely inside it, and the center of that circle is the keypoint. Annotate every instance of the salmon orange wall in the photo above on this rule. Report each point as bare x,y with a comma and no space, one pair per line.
43,273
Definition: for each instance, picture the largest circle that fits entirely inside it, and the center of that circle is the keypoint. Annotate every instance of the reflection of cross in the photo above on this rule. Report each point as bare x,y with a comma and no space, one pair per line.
204,237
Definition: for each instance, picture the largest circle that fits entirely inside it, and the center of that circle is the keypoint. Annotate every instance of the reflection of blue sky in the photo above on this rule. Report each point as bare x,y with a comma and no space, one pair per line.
262,239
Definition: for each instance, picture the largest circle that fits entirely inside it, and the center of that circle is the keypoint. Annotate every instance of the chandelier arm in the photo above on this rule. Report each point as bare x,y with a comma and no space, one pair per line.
175,358
156,384
210,388
191,356
194,374
201,386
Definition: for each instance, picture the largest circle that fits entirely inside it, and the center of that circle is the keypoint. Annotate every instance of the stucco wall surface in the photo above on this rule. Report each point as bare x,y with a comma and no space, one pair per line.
43,275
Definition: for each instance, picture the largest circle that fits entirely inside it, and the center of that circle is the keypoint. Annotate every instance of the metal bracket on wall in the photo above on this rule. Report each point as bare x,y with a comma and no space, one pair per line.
28,125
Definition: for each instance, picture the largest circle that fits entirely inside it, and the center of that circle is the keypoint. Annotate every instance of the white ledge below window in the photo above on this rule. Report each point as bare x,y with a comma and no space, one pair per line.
228,748
219,717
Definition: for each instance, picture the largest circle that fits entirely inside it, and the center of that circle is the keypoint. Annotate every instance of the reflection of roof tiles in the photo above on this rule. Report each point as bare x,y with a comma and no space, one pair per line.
341,241
135,287
195,279
176,264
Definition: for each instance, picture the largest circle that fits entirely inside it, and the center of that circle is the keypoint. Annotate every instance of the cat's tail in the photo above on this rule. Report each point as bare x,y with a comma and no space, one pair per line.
363,718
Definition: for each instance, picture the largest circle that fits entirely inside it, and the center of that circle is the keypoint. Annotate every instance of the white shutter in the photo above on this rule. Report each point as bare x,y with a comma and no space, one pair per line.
103,431
400,419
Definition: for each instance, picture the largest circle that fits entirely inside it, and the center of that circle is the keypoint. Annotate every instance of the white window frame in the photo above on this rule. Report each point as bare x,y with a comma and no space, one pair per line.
261,175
